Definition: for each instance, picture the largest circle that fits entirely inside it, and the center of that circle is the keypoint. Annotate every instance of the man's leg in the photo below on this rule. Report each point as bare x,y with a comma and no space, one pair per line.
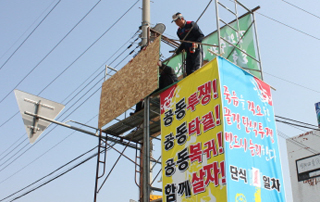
194,61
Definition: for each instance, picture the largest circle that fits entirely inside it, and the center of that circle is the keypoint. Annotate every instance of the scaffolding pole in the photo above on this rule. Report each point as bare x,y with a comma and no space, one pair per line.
146,151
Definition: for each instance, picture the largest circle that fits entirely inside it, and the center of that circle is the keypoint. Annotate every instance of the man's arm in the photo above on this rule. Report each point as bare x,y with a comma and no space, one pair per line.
181,47
196,31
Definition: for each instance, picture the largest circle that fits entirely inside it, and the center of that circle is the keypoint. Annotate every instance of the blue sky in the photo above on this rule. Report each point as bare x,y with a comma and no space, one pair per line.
55,58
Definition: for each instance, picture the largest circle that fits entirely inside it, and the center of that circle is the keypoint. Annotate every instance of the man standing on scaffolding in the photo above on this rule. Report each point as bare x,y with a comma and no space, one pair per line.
189,31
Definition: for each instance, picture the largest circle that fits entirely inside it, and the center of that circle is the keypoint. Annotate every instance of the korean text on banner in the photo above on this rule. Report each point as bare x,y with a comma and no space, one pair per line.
251,146
193,163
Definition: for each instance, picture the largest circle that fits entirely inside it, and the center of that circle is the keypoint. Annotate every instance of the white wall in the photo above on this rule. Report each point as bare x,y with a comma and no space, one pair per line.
298,147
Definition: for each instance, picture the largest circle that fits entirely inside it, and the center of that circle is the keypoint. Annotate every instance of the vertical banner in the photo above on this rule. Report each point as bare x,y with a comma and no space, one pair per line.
193,165
251,146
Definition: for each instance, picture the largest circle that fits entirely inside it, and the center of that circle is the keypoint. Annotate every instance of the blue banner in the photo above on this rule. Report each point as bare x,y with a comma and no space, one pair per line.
317,105
251,145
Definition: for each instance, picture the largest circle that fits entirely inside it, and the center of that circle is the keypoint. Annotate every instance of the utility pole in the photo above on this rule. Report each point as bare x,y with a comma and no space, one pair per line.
145,22
146,144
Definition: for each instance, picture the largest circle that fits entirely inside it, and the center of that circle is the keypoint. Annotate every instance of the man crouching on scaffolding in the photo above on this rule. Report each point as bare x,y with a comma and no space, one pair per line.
189,31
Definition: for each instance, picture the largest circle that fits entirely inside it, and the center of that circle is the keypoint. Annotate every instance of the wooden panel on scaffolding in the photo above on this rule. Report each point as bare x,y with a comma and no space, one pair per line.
133,82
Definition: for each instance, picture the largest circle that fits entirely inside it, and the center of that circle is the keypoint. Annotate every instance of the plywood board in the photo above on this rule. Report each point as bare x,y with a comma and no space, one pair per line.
133,82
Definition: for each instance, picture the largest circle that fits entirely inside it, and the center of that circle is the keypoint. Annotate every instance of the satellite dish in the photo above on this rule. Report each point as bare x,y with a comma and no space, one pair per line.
160,28
156,31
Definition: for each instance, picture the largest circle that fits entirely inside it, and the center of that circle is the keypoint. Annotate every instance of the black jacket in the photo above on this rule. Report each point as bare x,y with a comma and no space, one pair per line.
195,35
167,77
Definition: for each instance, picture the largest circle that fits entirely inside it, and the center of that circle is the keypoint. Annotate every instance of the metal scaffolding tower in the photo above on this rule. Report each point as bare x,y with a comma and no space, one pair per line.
220,6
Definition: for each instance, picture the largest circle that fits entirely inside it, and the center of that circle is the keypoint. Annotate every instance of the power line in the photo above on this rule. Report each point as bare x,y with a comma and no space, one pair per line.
99,68
292,82
85,86
289,26
66,104
54,178
300,122
45,134
50,52
50,173
85,100
54,126
12,146
26,144
295,123
281,134
68,109
26,30
301,9
44,153
125,57
29,35
9,119
125,51
89,47
299,144
85,80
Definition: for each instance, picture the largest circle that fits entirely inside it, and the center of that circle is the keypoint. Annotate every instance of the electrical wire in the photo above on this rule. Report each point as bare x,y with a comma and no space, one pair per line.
54,178
87,85
44,153
50,51
10,147
48,132
299,144
51,173
68,108
27,30
291,82
301,9
43,135
30,35
9,119
54,126
124,51
89,47
300,122
279,132
65,70
126,57
101,66
97,90
295,123
85,80
300,31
